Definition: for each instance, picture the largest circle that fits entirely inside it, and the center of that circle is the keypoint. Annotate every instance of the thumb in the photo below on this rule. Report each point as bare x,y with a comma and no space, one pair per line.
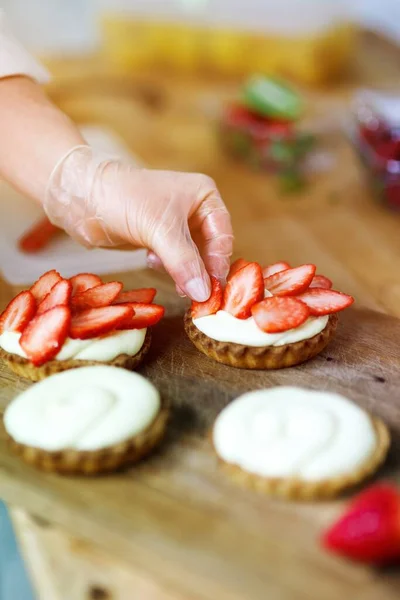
181,258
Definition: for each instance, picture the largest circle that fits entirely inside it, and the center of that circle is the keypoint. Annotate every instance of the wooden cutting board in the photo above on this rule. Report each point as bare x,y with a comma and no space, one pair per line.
177,516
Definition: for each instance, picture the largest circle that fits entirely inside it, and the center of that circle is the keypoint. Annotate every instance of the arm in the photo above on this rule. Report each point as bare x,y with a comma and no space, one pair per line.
34,133
101,201
37,135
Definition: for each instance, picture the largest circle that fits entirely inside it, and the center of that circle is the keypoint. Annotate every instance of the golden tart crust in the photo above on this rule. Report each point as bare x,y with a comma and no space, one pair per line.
24,368
264,357
94,462
299,489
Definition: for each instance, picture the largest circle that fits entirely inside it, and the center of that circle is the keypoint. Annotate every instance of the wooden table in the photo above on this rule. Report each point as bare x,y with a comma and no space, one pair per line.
168,123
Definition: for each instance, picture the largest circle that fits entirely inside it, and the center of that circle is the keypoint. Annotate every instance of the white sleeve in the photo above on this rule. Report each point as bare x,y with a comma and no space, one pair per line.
15,59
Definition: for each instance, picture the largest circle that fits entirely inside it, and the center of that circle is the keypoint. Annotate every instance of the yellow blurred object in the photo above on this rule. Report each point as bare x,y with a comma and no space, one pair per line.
314,58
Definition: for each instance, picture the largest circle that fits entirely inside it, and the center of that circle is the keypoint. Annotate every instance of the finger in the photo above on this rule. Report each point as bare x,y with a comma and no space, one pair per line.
179,292
182,260
214,234
154,262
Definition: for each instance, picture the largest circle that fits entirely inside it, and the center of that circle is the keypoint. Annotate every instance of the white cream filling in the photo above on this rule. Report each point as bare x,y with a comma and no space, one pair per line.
85,409
102,349
224,327
293,432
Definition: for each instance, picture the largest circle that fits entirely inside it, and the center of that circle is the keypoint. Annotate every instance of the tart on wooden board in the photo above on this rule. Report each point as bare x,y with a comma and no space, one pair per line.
61,324
86,421
266,318
298,443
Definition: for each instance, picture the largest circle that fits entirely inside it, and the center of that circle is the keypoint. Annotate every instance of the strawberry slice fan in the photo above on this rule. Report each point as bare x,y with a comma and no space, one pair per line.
293,295
82,307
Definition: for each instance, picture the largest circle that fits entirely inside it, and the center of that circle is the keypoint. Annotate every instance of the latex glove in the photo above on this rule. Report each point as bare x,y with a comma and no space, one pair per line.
101,201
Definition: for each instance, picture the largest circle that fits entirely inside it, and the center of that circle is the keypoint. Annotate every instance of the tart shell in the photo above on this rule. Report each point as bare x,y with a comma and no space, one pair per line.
292,488
105,460
24,368
264,357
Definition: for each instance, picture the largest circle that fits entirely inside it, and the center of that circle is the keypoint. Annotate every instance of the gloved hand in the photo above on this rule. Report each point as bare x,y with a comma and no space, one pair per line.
102,202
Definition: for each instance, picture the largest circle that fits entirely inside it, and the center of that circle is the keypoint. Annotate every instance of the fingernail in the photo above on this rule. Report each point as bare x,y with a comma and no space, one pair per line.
198,289
151,262
179,292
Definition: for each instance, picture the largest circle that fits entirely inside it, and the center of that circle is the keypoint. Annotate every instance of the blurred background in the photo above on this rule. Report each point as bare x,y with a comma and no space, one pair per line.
76,26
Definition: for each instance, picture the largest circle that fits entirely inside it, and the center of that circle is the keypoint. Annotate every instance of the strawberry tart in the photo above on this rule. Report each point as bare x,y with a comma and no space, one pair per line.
61,324
266,318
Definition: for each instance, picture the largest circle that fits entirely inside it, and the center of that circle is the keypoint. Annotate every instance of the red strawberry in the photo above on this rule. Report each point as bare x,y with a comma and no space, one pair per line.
243,290
38,236
236,266
83,282
210,306
144,295
320,281
369,531
275,268
144,315
275,314
59,295
43,285
100,295
325,302
18,313
45,335
291,281
260,127
99,321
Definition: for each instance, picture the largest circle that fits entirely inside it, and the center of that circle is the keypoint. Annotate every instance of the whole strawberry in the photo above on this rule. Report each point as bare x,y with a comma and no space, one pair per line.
369,531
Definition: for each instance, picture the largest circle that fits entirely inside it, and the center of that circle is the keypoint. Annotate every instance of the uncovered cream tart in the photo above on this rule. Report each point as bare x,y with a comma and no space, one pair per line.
88,420
298,443
120,349
240,343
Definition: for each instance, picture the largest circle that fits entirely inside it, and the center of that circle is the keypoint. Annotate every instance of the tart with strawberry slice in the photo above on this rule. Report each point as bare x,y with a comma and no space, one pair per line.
61,324
266,318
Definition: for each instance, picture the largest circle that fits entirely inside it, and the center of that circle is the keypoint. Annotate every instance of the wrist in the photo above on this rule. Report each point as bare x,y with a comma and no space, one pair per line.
77,196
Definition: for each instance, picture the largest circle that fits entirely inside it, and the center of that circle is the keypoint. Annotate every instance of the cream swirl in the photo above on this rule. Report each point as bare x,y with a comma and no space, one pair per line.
84,409
102,349
293,432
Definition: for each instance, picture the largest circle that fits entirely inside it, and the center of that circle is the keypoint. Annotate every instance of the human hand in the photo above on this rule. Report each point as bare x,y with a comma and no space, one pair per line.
179,217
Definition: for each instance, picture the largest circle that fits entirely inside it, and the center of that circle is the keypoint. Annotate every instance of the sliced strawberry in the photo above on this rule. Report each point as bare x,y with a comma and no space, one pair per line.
42,339
275,268
236,266
144,295
320,281
243,290
291,281
144,315
210,306
18,313
275,314
38,236
59,295
325,302
43,285
96,297
83,282
369,531
99,321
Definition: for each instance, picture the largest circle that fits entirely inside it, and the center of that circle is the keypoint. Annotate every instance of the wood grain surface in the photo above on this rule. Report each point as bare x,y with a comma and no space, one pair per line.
169,123
176,513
